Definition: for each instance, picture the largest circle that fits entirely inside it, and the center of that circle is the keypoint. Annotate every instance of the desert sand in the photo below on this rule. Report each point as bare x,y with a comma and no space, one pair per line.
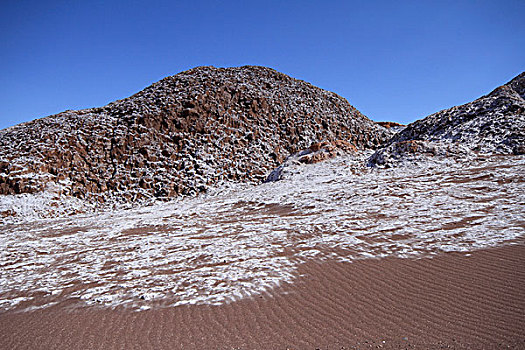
455,300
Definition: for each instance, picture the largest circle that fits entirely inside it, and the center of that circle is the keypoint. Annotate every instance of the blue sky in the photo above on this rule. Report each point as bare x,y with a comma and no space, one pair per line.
393,60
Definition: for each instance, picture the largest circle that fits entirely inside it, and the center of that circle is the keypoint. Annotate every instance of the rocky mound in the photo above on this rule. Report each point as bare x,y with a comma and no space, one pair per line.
181,135
317,152
413,151
492,124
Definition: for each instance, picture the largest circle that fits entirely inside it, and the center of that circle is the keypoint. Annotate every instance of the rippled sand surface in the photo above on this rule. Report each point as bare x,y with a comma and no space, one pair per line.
245,241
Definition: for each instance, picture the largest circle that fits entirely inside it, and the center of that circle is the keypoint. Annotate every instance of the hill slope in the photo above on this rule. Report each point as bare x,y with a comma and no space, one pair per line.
492,124
180,135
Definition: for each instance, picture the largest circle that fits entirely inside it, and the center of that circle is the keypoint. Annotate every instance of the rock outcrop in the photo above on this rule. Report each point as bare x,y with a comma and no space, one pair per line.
391,125
412,151
180,136
492,124
317,152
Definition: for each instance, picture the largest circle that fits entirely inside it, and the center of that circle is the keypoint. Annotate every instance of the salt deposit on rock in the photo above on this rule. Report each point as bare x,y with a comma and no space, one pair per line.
413,151
494,123
317,152
180,136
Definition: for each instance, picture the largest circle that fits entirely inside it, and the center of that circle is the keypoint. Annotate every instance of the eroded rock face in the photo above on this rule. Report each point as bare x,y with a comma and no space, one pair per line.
492,124
317,152
416,150
181,135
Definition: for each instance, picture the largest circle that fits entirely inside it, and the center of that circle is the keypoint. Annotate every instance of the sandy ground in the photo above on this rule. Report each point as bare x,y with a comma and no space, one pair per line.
454,300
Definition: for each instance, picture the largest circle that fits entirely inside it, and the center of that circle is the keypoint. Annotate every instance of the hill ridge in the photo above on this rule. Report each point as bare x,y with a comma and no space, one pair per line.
491,124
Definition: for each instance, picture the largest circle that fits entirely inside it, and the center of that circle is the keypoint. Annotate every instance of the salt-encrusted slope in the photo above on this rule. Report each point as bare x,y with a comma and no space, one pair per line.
493,124
181,135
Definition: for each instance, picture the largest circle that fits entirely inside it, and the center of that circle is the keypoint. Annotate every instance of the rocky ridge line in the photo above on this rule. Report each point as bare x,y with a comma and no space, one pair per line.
492,124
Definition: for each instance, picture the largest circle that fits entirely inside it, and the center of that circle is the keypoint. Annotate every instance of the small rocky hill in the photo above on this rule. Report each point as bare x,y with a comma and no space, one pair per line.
493,124
180,136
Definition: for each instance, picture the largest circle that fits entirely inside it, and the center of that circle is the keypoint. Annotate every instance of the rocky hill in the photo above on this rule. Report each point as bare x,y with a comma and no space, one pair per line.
179,136
492,124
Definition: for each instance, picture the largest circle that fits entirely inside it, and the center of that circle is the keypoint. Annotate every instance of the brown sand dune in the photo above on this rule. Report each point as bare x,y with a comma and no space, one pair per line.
453,300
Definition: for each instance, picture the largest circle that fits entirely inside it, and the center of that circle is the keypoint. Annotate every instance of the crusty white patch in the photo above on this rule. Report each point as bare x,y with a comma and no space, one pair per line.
246,240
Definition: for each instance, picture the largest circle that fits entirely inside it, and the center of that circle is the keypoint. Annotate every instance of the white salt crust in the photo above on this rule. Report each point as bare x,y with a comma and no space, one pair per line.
244,241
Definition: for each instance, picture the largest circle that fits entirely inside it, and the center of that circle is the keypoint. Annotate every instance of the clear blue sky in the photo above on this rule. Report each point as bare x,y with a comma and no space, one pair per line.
393,60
